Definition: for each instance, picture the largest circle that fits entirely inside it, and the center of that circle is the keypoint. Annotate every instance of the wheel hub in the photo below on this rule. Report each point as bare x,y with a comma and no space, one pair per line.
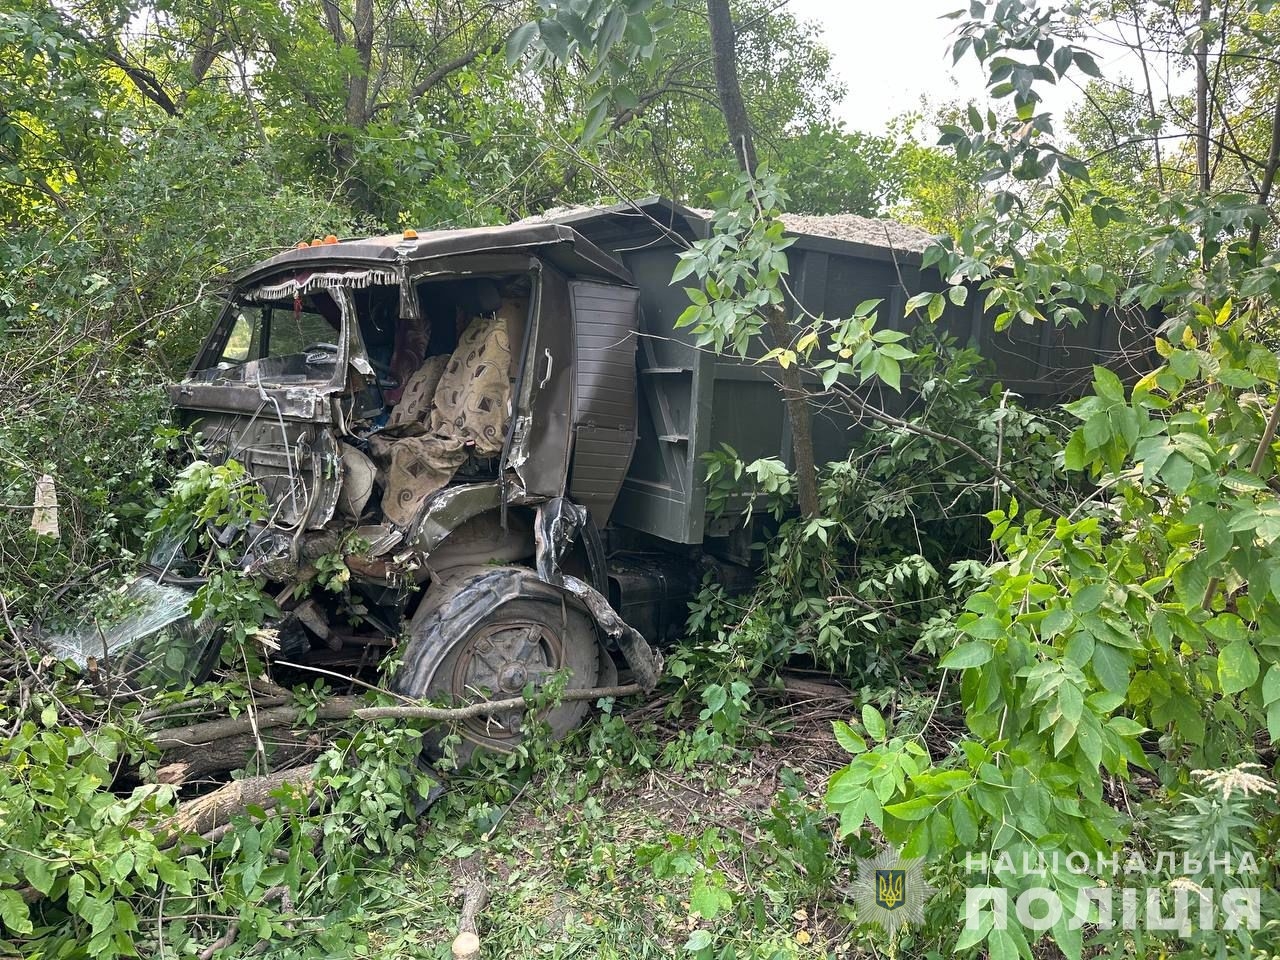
500,660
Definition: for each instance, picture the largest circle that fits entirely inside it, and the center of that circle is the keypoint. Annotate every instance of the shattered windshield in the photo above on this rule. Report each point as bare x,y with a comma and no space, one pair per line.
290,340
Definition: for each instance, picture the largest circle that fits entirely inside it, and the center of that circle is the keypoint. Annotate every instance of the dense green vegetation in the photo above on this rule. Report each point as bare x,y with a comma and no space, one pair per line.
1058,626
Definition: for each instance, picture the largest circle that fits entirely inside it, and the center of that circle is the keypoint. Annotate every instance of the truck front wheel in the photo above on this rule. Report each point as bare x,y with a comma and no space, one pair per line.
486,636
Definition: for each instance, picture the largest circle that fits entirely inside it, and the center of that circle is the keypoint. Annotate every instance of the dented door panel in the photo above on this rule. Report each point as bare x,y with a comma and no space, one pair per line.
540,441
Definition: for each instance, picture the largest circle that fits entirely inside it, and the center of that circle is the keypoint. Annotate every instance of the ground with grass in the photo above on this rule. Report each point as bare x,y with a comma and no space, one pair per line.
623,842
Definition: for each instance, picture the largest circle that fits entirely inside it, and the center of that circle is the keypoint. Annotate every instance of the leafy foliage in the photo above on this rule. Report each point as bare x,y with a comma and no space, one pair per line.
88,869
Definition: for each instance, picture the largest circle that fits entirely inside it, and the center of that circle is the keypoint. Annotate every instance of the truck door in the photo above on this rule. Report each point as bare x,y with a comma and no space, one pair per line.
541,434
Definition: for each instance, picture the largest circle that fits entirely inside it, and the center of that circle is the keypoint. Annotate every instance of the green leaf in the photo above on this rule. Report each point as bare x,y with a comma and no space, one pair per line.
1054,622
1237,667
967,655
595,118
1111,666
844,789
848,738
873,721
1087,64
936,305
1079,648
1062,60
691,315
1271,685
698,940
555,38
1074,455
1125,726
1108,386
916,302
709,900
1073,167
964,822
971,936
520,40
1090,598
1178,473
896,351
615,25
13,911
1001,946
917,808
39,874
985,628
889,372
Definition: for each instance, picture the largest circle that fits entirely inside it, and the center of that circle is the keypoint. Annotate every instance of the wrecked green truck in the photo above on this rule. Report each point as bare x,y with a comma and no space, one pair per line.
501,432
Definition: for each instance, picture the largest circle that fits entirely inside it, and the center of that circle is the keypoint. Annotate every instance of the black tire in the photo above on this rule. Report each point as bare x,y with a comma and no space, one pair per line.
485,636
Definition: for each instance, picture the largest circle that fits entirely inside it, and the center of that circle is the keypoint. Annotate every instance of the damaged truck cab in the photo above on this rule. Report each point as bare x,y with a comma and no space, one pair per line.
453,414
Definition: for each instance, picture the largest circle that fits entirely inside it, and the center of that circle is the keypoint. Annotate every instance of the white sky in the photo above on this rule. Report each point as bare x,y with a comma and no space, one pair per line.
891,52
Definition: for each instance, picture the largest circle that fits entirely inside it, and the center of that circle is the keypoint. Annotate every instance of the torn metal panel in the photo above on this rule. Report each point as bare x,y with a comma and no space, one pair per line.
448,509
643,660
292,403
561,245
326,476
297,464
560,522
540,445
604,393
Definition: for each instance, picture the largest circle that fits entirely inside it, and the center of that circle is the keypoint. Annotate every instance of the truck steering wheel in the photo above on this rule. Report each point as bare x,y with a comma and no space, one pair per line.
317,353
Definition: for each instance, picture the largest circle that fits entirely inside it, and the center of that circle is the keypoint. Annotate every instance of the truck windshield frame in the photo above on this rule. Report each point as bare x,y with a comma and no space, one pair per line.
304,339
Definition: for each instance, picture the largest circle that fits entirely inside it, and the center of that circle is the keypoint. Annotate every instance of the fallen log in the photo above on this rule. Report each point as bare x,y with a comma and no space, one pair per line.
198,750
226,743
207,813
466,945
285,747
202,744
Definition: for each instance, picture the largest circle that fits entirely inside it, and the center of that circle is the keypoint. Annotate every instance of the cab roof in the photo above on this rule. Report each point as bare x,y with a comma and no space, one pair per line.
557,243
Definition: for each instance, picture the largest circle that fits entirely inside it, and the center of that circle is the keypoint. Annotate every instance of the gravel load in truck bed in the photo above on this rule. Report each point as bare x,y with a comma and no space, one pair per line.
873,231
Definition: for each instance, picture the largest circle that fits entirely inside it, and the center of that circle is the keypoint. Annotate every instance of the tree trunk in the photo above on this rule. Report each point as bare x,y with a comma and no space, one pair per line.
729,89
800,417
1268,180
1202,100
357,109
724,53
284,746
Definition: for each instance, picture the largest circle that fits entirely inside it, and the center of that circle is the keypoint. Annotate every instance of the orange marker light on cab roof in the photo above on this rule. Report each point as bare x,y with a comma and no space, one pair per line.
316,242
301,245
411,234
331,239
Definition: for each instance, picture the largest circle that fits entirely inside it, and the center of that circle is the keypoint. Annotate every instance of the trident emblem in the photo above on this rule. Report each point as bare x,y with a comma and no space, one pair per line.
891,888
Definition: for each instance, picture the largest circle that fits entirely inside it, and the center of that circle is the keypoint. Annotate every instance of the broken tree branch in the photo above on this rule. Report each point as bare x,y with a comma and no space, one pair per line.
466,945
210,731
197,749
850,397
486,707
215,809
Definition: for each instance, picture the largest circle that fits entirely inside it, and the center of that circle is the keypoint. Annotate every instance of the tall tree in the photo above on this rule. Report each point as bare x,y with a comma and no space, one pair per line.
799,416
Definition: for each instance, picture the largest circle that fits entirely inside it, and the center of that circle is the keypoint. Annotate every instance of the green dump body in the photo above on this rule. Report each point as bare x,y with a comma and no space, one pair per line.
691,401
